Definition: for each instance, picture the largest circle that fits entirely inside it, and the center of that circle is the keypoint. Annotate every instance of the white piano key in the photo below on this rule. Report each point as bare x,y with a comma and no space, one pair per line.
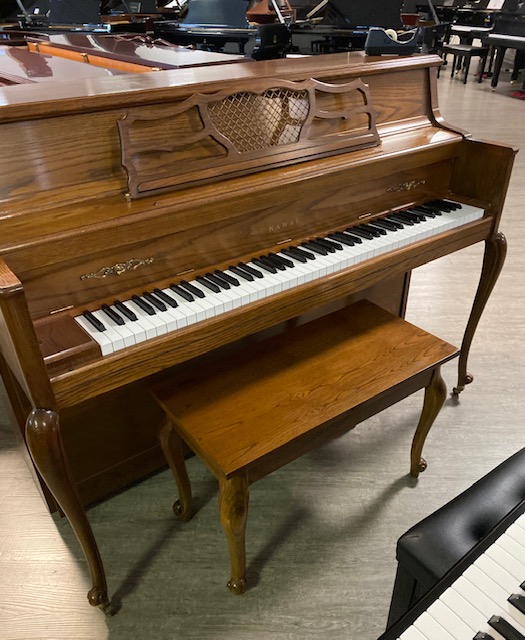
451,622
499,606
502,577
412,634
116,339
513,548
518,534
507,561
127,337
139,333
144,319
431,629
477,604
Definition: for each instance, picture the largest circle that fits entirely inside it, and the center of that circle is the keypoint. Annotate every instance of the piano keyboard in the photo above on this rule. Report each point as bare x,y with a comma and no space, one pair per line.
486,602
158,312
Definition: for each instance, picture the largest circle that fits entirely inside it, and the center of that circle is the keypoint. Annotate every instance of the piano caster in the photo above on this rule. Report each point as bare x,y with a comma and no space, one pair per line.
237,586
181,513
467,380
422,465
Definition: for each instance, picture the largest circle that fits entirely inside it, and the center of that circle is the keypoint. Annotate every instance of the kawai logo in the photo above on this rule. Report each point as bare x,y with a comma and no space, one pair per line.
282,226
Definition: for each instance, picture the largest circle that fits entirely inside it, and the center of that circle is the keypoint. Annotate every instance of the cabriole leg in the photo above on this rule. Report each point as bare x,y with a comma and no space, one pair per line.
173,448
495,252
233,507
45,446
435,395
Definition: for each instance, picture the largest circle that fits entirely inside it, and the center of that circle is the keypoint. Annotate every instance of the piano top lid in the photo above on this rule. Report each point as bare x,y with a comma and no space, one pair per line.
218,13
42,100
139,49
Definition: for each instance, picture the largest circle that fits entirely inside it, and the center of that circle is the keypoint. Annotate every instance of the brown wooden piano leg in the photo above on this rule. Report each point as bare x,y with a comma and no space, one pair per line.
45,446
233,508
173,448
435,394
495,252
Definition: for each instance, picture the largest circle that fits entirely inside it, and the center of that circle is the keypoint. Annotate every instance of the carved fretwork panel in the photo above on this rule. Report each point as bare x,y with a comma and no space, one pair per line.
207,137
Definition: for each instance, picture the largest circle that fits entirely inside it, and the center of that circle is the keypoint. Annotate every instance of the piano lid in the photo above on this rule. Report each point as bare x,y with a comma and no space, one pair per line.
355,13
217,13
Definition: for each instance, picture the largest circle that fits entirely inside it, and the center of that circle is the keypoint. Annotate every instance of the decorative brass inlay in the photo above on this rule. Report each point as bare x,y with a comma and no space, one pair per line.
118,269
407,186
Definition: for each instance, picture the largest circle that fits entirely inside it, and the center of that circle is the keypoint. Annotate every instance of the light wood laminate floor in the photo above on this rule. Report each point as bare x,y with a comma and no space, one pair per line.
322,531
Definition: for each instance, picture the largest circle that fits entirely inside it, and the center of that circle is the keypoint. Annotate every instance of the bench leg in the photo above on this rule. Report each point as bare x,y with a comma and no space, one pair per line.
435,395
233,508
173,448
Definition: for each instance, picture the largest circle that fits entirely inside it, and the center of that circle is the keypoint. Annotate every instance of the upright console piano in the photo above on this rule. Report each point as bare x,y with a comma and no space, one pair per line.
123,193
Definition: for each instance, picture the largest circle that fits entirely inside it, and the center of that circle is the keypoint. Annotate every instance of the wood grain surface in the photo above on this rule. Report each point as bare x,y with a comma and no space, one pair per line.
324,563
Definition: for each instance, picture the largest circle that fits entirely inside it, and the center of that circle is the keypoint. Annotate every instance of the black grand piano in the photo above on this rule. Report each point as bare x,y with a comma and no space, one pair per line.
338,25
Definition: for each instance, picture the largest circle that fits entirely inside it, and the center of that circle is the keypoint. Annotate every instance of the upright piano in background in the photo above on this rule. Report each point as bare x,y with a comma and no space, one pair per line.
124,186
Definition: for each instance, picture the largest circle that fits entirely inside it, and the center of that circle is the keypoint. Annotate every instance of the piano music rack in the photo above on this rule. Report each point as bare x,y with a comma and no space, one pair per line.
323,378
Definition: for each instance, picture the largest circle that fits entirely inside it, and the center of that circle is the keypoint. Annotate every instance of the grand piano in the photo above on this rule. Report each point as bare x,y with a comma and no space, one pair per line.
125,192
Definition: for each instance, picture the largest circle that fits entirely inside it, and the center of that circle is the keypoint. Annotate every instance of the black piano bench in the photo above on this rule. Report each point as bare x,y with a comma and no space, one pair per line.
463,53
431,547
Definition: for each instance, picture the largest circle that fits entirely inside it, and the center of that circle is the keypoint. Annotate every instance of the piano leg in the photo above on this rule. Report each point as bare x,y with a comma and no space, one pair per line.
493,259
173,448
435,394
45,446
233,507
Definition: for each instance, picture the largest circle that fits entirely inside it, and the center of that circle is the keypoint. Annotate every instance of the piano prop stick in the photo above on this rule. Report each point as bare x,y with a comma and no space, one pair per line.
204,208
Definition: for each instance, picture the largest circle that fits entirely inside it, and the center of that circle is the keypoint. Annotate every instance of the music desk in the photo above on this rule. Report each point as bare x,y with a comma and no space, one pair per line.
290,394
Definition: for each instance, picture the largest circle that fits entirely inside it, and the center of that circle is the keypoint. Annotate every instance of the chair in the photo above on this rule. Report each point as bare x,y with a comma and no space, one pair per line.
434,545
463,53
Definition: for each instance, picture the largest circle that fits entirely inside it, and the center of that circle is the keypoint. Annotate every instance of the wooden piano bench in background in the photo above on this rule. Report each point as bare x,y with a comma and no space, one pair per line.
285,396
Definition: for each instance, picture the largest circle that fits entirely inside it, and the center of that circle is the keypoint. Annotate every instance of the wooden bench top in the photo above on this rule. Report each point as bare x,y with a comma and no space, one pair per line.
244,407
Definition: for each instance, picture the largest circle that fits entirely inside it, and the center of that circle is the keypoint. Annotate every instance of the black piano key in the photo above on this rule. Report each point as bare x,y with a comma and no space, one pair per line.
481,635
407,217
153,301
422,215
183,293
277,261
398,224
360,232
213,277
301,252
384,224
166,298
94,322
295,256
208,284
329,244
263,265
398,218
427,211
518,601
143,305
505,629
192,289
353,237
455,205
250,269
414,216
242,274
112,314
128,313
340,237
522,586
375,232
441,205
428,206
316,248
227,277
285,261
271,262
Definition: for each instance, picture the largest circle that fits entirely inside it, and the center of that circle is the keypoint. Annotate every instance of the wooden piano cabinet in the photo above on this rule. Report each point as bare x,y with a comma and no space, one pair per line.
79,230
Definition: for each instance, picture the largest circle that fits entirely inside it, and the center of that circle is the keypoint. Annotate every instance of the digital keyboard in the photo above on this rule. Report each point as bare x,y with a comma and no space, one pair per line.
481,598
160,311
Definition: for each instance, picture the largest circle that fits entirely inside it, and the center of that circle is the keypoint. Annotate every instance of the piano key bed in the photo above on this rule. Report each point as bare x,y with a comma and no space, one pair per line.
323,378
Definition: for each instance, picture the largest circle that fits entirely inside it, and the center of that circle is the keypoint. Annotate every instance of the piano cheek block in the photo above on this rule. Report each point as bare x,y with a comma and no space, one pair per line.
64,344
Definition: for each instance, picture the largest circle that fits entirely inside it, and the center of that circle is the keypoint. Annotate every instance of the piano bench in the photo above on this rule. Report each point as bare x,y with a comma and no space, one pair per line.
433,546
463,53
282,397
